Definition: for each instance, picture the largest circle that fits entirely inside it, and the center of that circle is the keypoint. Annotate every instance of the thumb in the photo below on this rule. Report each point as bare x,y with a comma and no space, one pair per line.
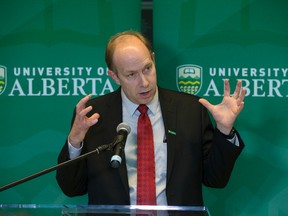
206,103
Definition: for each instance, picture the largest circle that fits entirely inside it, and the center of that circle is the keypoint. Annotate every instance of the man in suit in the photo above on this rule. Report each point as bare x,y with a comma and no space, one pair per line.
188,150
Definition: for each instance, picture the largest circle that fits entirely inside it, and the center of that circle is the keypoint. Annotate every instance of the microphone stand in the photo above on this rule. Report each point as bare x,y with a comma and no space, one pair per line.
65,163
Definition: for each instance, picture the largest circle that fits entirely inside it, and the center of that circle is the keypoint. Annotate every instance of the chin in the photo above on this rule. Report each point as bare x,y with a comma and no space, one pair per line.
146,101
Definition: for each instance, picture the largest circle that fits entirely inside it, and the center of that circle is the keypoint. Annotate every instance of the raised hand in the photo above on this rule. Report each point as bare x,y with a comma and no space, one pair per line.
81,122
227,111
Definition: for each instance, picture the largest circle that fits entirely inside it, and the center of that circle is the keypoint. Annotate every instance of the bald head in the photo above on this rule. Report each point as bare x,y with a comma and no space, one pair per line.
127,38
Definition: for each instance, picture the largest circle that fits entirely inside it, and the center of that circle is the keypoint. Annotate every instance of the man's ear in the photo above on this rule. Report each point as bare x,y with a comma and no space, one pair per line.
153,56
114,76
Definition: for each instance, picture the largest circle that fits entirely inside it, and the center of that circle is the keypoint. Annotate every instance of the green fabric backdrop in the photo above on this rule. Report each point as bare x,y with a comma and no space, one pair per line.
239,39
51,54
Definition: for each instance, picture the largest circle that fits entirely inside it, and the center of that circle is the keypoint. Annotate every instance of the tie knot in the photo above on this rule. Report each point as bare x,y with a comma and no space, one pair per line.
142,108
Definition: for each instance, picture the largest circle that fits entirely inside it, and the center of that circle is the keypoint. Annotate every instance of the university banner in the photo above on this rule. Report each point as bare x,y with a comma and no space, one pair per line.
198,44
51,55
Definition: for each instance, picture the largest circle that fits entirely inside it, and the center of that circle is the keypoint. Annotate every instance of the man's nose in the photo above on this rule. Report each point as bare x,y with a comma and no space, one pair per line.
143,79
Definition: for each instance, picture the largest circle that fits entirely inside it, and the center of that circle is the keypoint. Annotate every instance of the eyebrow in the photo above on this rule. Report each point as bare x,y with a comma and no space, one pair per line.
150,63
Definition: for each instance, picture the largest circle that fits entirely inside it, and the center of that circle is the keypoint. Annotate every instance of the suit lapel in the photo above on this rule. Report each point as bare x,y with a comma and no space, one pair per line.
168,108
114,105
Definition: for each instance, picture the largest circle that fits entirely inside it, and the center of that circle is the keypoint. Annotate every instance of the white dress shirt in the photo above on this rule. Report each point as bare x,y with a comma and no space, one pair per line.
130,116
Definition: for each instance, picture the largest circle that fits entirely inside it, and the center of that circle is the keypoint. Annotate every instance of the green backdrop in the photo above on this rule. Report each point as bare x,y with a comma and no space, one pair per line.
51,54
242,39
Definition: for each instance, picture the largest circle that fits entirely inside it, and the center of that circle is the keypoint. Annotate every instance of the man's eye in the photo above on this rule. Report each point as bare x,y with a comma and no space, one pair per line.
131,75
148,68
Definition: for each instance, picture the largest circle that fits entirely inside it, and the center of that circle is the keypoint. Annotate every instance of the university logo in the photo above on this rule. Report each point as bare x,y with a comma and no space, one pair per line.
189,78
3,78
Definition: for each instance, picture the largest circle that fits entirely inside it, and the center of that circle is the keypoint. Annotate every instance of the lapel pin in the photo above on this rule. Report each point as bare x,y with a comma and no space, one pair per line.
171,132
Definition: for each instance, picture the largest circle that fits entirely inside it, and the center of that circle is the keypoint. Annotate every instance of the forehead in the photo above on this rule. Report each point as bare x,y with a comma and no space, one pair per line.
129,41
130,52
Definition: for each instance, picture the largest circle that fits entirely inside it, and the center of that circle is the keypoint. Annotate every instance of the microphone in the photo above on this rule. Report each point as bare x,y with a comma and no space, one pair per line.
123,130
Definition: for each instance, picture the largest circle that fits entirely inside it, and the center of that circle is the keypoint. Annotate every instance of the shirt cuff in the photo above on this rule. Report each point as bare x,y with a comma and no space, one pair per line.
74,152
234,140
232,137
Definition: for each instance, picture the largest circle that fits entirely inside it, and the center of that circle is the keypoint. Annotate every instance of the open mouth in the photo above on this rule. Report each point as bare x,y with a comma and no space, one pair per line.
145,94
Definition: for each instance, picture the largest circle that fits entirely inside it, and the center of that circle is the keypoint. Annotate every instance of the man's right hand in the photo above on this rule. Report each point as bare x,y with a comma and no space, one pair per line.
81,122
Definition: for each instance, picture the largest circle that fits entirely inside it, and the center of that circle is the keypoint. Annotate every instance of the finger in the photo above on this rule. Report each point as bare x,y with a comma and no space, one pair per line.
85,111
226,88
237,89
240,106
242,94
93,119
82,103
206,104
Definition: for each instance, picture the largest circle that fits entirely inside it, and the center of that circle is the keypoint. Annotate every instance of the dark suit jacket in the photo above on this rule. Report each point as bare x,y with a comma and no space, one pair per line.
197,154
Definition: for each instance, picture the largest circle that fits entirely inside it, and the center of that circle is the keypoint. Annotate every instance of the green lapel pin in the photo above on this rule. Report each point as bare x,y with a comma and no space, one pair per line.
171,132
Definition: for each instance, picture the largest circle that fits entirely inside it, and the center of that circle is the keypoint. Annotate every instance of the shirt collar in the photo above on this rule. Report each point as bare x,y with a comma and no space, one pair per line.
132,107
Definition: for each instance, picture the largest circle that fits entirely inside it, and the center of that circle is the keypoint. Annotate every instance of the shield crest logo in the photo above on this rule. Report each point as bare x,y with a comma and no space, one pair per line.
189,78
3,78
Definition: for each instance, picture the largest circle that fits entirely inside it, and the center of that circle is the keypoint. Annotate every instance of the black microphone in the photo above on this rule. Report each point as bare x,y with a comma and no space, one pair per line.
123,130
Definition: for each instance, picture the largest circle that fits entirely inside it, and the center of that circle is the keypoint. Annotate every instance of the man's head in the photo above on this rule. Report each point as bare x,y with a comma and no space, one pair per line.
130,60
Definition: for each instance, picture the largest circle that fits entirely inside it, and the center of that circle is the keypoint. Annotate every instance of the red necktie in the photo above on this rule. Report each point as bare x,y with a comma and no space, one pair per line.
146,188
